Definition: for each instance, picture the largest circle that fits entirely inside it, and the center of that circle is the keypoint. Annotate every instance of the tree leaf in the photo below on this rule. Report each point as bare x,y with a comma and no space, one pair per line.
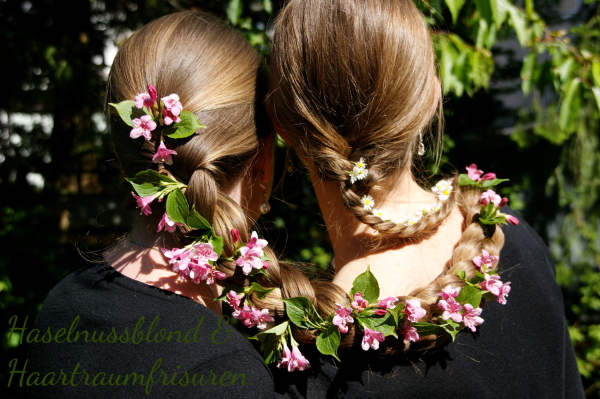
384,325
451,327
277,330
596,92
150,182
471,295
217,243
596,73
367,285
177,207
234,11
128,111
196,221
490,183
188,126
529,64
569,108
260,291
455,6
518,23
465,180
329,341
300,310
461,274
427,328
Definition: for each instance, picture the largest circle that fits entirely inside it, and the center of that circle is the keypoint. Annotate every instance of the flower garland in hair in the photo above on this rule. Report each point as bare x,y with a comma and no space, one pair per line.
198,260
379,318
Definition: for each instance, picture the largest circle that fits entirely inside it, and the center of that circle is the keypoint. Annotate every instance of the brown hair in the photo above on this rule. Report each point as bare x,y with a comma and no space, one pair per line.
352,79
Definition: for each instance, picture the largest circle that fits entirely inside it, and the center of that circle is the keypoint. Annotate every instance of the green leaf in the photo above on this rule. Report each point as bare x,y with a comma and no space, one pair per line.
596,92
596,73
177,207
461,274
367,285
271,345
384,325
329,341
150,182
451,327
465,180
427,328
277,330
490,183
188,126
470,294
569,108
128,111
455,6
260,291
529,64
300,311
217,243
196,221
234,11
518,23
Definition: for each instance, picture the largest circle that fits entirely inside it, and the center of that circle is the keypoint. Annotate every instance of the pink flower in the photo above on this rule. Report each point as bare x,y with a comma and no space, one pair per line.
451,309
152,91
211,275
485,262
371,339
511,219
142,127
167,224
488,176
473,173
262,317
380,312
492,284
490,196
342,316
471,317
172,109
246,315
293,360
205,251
235,235
449,292
199,272
410,333
503,293
251,254
163,154
388,303
359,302
233,299
413,310
144,203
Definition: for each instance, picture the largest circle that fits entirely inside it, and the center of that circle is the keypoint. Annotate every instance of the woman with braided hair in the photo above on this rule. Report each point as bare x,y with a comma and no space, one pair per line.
354,92
197,155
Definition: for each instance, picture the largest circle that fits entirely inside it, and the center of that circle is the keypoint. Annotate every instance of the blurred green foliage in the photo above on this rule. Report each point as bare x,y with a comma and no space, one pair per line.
52,130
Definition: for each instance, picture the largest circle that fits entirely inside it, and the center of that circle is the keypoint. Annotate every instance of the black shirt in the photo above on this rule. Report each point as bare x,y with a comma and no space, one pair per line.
142,342
522,350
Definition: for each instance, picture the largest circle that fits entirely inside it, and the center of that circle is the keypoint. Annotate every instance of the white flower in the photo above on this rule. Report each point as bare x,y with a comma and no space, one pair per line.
382,214
358,174
361,163
436,207
367,202
412,219
443,189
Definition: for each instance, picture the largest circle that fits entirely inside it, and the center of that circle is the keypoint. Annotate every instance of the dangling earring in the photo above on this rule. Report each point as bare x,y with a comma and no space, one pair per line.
290,165
421,150
265,207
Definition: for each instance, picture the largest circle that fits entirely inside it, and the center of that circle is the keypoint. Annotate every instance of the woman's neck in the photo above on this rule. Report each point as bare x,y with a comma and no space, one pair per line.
139,257
399,268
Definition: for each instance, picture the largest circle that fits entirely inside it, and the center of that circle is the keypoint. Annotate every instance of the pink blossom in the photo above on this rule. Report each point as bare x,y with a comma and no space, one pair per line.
359,302
235,235
492,284
485,262
212,275
246,315
205,251
488,176
163,154
380,312
142,127
293,360
172,109
511,219
504,293
451,309
371,339
342,316
251,254
167,224
262,317
471,317
144,203
388,303
490,196
152,92
503,202
410,333
413,310
233,299
199,272
473,173
449,292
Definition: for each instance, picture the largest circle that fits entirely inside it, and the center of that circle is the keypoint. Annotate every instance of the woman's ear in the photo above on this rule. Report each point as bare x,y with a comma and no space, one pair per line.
263,163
